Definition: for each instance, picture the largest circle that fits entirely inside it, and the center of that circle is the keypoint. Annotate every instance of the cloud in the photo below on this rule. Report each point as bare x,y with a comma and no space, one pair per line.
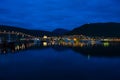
51,14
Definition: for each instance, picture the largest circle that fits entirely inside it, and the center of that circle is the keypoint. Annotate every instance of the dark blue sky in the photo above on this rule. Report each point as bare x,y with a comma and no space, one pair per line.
51,14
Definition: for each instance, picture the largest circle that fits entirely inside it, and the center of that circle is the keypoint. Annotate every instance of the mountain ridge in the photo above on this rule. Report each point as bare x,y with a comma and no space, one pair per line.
27,31
109,29
60,31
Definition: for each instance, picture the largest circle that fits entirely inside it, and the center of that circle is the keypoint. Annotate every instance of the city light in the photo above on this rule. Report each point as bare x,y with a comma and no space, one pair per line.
45,37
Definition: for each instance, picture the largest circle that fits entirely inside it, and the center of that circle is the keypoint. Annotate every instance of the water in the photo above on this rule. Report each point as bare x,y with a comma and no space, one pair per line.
61,63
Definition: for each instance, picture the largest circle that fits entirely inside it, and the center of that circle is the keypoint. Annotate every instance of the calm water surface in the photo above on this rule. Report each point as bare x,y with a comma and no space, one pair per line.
60,63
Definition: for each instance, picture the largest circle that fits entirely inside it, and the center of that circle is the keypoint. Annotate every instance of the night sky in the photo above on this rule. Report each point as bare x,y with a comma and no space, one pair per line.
51,14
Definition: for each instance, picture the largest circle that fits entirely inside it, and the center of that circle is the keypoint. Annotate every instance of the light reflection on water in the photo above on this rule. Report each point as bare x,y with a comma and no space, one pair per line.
58,63
106,44
45,43
52,62
88,49
14,48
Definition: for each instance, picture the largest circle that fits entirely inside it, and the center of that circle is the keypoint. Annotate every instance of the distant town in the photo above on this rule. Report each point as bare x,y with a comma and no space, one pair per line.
11,37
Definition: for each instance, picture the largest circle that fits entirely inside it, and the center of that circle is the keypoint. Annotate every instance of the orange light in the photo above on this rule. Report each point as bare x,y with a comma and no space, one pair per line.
75,39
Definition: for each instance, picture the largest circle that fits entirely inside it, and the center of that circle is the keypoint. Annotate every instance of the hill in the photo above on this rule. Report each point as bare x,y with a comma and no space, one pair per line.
26,31
98,29
60,31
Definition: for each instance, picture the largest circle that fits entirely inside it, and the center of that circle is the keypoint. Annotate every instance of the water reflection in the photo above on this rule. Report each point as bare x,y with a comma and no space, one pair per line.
88,56
105,49
44,43
106,44
12,47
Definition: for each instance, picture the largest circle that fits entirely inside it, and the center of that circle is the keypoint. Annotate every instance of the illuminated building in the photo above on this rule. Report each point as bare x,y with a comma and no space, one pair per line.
45,37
